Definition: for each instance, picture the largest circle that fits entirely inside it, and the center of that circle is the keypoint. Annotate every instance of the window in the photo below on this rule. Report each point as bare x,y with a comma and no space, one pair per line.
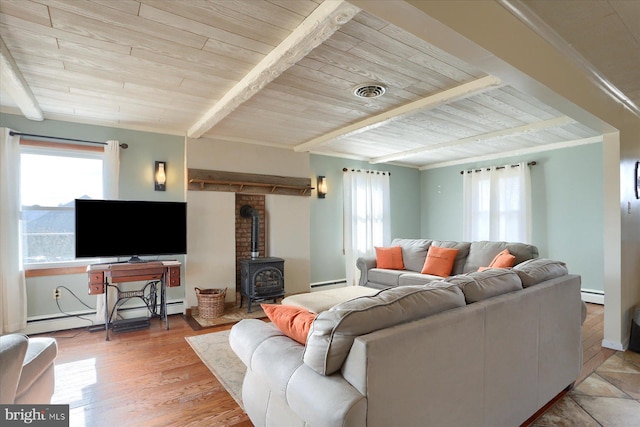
497,204
50,180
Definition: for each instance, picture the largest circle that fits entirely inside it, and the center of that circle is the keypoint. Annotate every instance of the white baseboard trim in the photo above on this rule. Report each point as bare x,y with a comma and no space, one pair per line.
592,296
52,323
620,346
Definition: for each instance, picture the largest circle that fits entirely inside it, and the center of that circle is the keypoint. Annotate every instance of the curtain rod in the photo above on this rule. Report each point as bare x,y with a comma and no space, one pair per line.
364,170
12,133
499,167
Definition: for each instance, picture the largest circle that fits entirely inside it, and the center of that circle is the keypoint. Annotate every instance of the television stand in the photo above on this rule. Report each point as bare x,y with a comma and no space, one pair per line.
102,277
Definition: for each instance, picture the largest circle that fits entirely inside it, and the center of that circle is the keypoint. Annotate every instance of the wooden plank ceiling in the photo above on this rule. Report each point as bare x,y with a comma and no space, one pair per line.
274,72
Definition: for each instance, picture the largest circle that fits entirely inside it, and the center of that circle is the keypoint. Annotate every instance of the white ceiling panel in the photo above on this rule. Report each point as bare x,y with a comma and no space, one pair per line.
163,65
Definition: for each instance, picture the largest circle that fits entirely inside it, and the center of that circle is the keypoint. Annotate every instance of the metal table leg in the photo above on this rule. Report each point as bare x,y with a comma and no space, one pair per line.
163,303
106,310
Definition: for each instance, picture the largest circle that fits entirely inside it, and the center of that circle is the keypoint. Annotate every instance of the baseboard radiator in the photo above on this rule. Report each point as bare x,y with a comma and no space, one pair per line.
60,322
329,283
593,296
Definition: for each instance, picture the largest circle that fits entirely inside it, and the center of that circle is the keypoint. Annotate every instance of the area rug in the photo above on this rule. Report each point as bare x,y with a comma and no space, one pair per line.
231,315
215,352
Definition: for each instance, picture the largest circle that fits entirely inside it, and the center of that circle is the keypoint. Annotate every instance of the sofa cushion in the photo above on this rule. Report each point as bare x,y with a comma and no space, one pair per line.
463,253
333,332
538,270
481,253
384,277
389,258
480,285
416,279
414,252
293,321
318,301
439,261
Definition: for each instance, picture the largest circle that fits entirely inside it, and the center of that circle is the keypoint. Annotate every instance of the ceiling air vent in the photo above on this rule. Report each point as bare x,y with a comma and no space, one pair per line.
369,90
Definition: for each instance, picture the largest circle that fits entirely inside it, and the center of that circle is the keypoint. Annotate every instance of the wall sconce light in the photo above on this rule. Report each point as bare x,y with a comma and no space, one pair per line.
160,177
322,187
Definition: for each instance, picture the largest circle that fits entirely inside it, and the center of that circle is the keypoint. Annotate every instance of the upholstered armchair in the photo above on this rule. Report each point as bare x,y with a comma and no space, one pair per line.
27,369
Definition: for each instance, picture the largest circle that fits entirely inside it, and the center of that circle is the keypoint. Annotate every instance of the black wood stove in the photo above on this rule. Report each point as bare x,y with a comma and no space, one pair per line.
261,279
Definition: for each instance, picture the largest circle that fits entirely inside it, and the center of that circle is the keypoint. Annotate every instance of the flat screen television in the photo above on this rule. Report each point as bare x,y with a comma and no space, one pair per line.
126,228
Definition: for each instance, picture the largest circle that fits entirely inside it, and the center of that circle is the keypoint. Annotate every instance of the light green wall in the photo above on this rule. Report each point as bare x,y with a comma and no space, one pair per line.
567,192
567,213
441,204
574,207
136,183
327,258
136,162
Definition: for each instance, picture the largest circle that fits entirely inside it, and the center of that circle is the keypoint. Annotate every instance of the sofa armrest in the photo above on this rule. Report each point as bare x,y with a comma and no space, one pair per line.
13,348
365,264
274,361
325,400
37,381
247,335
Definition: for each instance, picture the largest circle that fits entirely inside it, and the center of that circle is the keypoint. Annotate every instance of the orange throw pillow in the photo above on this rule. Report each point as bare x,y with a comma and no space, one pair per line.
503,260
390,258
439,261
293,321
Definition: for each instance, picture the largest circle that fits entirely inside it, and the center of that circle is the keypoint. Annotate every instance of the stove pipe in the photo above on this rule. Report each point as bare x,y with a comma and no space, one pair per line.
247,211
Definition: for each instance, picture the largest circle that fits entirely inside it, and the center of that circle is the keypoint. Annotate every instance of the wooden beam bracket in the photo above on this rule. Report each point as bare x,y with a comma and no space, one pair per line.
207,180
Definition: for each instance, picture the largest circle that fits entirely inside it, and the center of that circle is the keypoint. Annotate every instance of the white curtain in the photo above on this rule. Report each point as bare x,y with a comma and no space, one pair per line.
13,295
366,216
110,178
111,170
497,204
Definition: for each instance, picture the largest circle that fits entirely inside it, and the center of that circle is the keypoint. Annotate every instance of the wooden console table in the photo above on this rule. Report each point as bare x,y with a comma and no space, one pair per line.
103,276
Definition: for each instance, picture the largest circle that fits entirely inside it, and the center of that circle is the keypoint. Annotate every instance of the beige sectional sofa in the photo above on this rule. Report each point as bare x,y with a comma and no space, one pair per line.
480,349
470,257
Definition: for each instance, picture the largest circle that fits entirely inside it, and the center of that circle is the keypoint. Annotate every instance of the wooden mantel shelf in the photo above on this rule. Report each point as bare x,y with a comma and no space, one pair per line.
207,180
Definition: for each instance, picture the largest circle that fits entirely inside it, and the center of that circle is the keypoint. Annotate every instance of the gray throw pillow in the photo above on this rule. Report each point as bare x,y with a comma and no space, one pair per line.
480,285
538,270
414,252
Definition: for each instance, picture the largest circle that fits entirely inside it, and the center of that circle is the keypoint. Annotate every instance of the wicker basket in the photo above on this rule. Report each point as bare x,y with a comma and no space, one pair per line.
210,302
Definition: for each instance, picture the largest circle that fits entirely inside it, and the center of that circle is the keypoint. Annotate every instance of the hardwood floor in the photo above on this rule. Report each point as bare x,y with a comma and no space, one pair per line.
152,377
149,377
593,354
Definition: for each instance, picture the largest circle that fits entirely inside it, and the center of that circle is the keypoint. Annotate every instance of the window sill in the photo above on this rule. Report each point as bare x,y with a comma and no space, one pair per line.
54,271
59,268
